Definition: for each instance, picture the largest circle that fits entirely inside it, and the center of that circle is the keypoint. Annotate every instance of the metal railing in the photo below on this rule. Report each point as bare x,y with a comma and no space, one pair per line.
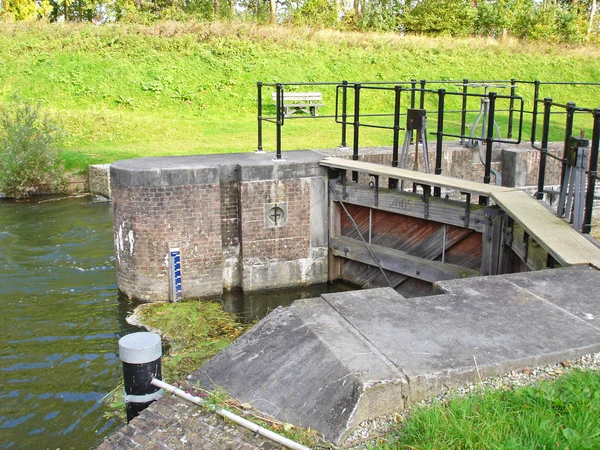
443,99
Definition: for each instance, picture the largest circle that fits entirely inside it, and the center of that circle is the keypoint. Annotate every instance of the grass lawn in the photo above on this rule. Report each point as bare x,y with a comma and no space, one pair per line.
124,91
559,414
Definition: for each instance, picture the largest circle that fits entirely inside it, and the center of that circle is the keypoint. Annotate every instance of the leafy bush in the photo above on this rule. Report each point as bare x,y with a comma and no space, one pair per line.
441,17
29,157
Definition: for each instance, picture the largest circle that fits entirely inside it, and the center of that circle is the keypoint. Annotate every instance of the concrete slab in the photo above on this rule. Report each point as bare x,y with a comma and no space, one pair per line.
332,362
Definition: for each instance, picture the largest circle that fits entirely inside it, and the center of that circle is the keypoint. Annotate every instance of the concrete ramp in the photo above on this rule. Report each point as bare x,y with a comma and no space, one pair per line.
329,363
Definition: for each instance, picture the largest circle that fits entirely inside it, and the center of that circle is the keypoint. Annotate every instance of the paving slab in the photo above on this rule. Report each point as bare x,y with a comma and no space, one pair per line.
332,362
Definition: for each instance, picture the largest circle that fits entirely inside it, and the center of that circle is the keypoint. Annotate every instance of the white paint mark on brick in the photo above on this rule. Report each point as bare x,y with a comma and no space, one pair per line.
131,241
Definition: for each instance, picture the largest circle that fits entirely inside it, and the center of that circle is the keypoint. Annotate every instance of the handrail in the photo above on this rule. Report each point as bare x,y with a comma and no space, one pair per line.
350,111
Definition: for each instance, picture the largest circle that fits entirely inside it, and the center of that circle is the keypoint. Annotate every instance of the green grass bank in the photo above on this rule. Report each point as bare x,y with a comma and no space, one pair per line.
124,91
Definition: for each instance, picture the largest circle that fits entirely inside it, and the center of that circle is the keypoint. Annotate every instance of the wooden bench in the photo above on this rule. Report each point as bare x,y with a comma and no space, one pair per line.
294,102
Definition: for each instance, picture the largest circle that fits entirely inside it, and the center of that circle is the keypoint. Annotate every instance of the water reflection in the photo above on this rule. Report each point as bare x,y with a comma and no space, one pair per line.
251,306
61,321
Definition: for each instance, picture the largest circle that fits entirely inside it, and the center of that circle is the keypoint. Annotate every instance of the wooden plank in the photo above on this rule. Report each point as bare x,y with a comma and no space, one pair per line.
555,235
398,261
450,212
430,179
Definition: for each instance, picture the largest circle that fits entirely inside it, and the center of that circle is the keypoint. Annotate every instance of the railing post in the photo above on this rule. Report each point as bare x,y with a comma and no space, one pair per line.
422,95
393,183
413,86
344,112
463,116
356,128
568,133
437,192
544,151
536,94
489,142
259,116
592,172
511,107
279,106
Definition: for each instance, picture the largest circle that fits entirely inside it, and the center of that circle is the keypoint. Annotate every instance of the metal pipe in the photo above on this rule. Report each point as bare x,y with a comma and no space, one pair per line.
259,117
231,416
568,132
511,107
536,94
437,192
392,182
463,116
344,112
279,106
544,151
356,128
592,172
489,141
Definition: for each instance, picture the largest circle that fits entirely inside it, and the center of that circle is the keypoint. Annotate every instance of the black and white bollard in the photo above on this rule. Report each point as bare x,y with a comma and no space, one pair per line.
140,354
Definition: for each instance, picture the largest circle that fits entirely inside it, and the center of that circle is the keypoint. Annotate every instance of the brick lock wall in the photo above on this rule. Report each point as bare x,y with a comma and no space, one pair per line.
287,243
230,233
148,220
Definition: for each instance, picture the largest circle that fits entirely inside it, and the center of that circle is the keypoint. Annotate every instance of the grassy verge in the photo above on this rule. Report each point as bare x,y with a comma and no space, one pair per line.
193,332
126,91
564,413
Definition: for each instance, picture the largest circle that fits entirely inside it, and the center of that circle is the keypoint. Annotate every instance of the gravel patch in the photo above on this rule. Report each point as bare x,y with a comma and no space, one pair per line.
369,431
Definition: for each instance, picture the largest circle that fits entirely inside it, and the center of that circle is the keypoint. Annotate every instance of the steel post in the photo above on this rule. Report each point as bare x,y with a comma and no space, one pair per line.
544,151
393,183
259,107
437,192
356,128
592,172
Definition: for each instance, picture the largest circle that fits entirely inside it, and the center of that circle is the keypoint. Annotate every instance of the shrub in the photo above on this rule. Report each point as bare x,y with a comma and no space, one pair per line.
30,160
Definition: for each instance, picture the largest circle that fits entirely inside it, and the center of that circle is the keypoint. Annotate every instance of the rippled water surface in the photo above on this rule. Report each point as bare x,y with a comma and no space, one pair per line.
60,320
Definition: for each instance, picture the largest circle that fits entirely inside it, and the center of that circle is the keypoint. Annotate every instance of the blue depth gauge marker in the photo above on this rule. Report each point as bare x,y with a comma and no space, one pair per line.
175,256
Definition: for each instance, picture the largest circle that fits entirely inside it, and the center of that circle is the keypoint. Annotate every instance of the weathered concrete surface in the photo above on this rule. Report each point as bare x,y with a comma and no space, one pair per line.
331,362
173,423
99,179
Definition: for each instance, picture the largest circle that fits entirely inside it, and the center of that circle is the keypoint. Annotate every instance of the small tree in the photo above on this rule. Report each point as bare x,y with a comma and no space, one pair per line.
29,157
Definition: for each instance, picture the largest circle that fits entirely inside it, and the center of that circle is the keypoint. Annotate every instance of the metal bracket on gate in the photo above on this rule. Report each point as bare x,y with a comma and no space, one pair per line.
426,195
467,217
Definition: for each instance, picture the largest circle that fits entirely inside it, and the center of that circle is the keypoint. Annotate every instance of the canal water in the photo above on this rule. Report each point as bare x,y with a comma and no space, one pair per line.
61,318
60,321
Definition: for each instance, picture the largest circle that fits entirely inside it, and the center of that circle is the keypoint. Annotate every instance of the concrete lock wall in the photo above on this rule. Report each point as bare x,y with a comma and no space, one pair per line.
239,221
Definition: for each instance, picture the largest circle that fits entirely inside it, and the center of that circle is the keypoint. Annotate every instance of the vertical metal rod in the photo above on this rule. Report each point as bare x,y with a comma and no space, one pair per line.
489,143
392,182
259,117
463,116
568,133
592,172
511,107
543,155
370,223
344,112
444,244
356,128
536,94
422,95
413,97
279,105
437,192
